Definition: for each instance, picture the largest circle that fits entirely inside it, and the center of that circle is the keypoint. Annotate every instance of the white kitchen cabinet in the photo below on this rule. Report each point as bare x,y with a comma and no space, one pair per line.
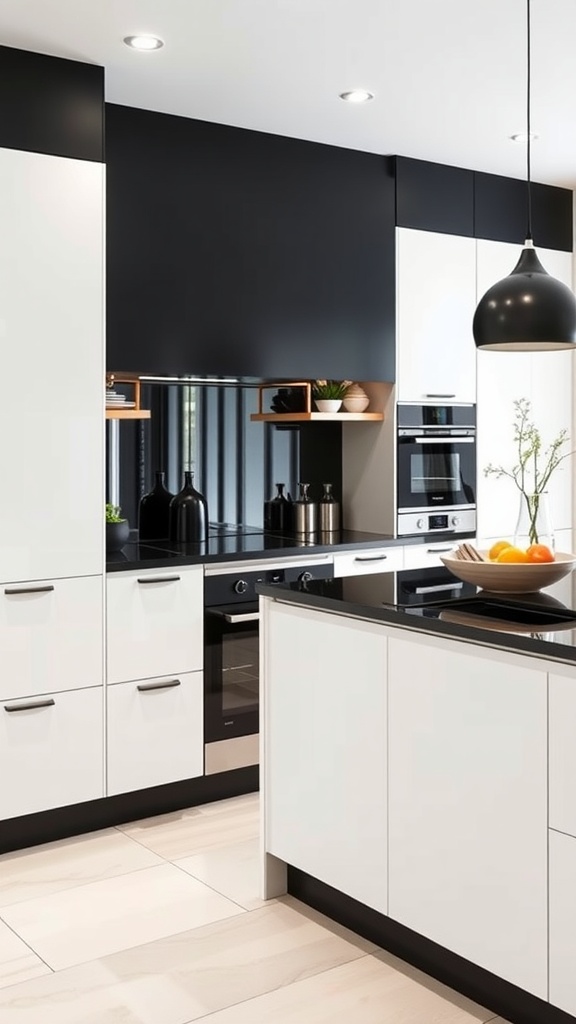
369,560
51,751
51,330
51,636
468,804
154,622
562,922
325,776
544,378
435,302
155,732
562,733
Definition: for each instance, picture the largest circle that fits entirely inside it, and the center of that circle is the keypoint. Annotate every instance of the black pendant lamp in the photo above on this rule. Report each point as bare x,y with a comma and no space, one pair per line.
528,311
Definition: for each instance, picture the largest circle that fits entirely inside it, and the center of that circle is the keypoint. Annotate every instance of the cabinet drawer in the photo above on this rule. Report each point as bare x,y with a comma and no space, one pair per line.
418,556
562,753
51,751
51,636
358,563
562,853
154,622
155,732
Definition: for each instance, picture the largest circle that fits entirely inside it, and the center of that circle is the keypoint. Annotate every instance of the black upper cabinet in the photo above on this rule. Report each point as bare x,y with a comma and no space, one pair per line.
500,212
434,197
232,252
50,105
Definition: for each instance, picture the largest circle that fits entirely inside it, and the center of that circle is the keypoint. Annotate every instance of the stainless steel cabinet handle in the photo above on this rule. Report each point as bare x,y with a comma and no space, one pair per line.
445,440
437,551
30,705
370,558
169,684
246,617
29,590
431,394
158,579
436,590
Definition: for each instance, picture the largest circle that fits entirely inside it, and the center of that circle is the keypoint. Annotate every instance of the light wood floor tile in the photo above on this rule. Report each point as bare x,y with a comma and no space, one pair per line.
198,829
233,871
187,976
17,961
366,991
54,867
94,920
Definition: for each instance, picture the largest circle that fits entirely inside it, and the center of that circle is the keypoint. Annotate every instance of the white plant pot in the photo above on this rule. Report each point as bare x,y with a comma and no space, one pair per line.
328,404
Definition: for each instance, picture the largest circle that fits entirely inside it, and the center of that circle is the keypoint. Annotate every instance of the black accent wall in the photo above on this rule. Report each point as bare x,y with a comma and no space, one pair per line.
50,105
232,252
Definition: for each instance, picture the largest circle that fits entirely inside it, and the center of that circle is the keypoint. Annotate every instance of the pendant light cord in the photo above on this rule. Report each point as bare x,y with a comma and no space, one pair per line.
528,140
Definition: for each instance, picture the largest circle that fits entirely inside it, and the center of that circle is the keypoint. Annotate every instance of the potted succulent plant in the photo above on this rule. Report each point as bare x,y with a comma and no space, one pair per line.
117,528
328,394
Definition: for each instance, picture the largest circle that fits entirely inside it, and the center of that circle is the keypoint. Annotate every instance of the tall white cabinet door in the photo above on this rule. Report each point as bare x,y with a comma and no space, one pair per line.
51,332
468,805
563,921
324,732
544,378
435,301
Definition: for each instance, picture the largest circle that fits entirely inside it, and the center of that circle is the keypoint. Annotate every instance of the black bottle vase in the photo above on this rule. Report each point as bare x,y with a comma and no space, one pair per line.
154,511
188,514
278,512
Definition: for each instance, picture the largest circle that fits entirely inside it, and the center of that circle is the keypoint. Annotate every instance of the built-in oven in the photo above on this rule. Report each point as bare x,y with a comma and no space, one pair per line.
436,469
231,655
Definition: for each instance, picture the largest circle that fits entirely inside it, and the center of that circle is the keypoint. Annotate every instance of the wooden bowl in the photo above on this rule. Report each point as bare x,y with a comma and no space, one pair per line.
511,577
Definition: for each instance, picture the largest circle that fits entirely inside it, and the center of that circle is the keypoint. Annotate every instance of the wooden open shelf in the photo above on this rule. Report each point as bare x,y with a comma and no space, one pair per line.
117,412
308,415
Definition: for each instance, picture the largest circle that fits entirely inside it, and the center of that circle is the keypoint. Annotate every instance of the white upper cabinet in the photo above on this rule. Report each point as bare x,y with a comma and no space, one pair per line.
51,333
545,378
435,302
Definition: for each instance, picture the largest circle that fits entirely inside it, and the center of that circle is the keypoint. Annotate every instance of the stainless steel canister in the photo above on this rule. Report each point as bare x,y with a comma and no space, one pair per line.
329,511
305,513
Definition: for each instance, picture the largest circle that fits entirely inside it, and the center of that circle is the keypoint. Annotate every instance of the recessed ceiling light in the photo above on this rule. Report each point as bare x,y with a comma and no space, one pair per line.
357,96
144,42
523,137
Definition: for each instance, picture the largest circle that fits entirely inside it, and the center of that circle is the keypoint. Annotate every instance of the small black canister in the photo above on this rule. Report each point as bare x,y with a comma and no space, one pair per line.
189,514
278,512
154,511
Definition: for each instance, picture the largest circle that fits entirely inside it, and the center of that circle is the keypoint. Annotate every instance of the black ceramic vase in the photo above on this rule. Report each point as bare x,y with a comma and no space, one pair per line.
278,512
154,511
188,514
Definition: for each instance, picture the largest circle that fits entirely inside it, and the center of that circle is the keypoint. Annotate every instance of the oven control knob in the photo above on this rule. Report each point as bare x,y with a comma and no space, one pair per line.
305,577
240,587
420,524
455,520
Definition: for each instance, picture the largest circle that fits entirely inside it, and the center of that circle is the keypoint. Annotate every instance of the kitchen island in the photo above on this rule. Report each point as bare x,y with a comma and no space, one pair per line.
419,781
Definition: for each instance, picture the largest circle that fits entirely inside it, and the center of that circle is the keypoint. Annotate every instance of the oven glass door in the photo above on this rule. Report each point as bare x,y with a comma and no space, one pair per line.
435,473
231,672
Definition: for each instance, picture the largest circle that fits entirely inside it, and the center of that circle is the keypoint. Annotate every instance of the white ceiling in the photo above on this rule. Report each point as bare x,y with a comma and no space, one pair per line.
448,75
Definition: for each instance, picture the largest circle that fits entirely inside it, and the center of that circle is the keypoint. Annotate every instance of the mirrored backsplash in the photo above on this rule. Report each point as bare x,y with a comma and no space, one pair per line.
236,462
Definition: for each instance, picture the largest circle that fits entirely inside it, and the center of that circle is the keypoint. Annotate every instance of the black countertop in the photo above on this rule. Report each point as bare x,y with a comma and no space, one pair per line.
230,547
549,633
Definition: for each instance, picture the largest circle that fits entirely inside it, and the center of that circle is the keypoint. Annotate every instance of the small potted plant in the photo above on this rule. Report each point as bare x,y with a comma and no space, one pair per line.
328,394
117,528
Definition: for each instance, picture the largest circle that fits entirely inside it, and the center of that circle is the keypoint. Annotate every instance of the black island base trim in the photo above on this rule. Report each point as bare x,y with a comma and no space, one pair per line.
506,1000
76,819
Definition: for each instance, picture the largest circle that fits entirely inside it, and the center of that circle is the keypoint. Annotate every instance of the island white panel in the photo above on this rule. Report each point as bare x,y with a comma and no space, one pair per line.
325,748
468,805
562,726
563,921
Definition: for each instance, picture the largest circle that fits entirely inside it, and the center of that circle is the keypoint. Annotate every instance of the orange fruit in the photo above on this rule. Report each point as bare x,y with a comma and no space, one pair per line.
512,554
539,553
497,548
